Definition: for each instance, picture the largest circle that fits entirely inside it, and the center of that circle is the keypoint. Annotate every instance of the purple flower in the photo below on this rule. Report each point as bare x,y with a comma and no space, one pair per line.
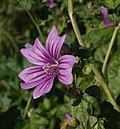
104,14
68,117
48,64
51,3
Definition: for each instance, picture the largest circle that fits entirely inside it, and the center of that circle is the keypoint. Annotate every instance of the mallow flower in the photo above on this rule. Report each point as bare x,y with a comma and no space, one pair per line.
68,117
51,3
48,64
104,14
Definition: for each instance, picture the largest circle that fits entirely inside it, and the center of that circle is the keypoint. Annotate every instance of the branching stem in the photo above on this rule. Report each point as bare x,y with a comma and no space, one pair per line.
94,69
109,49
36,25
74,23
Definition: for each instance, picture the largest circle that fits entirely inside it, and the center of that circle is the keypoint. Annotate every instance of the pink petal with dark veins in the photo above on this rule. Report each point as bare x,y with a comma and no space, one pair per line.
29,73
36,54
66,61
44,88
36,81
66,79
54,43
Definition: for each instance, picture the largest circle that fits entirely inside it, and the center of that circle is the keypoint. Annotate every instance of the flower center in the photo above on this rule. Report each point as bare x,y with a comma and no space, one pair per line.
51,68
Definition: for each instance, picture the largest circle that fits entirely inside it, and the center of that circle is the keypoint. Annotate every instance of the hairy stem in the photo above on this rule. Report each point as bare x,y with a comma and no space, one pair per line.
109,49
74,23
36,25
105,87
27,106
94,69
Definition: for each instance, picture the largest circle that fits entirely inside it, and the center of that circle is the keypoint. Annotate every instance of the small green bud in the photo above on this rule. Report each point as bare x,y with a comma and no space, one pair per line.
86,70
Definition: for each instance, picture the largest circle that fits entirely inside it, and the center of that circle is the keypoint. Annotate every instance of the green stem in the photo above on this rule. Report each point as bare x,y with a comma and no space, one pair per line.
105,87
109,49
36,25
27,106
74,23
96,72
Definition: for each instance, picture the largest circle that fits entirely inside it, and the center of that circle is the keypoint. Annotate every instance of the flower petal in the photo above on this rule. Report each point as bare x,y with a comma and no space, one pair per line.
104,14
58,45
65,71
68,117
53,35
66,61
44,87
66,79
29,73
33,77
54,43
29,85
35,83
103,11
36,54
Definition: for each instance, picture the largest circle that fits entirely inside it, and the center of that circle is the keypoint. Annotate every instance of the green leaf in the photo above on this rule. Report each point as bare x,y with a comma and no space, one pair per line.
98,36
35,122
112,4
4,103
113,71
84,110
93,101
26,4
80,112
92,121
94,91
99,39
84,82
100,124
